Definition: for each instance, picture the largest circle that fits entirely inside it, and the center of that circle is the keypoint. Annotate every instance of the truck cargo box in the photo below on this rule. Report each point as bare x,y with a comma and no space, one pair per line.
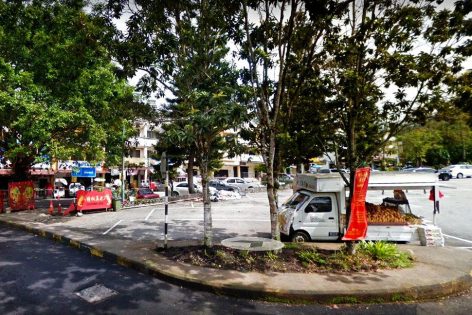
319,182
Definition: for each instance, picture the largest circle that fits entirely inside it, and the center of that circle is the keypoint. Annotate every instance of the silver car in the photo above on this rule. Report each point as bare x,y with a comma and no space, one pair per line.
238,182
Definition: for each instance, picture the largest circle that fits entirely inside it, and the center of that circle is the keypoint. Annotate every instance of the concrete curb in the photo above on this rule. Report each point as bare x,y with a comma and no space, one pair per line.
260,286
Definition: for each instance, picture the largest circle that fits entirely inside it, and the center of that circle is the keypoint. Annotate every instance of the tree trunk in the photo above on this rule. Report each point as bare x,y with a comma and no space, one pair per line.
21,167
272,189
191,188
207,220
352,167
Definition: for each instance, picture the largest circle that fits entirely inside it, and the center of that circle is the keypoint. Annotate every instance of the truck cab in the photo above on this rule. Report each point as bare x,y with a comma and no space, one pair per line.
314,210
308,214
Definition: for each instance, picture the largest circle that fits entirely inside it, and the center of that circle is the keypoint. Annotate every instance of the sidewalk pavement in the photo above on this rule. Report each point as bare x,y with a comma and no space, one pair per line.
438,271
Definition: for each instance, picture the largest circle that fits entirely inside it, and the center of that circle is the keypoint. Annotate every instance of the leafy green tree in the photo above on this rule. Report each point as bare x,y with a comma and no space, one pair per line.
387,64
444,140
59,94
186,59
462,88
281,49
418,142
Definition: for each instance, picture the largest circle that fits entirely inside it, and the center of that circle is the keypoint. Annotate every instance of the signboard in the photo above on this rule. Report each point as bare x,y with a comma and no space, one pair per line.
84,172
357,227
21,195
93,200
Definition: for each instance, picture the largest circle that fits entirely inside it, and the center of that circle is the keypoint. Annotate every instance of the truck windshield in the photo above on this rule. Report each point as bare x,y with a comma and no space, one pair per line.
296,200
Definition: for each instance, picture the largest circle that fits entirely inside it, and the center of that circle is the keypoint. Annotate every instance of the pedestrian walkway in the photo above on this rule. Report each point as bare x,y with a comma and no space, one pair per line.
438,271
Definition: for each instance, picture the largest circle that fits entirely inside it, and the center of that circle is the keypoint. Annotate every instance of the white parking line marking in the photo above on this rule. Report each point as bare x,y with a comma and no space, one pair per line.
104,233
150,213
457,238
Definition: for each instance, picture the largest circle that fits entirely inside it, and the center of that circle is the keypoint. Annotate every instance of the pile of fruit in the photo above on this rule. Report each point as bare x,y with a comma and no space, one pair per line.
384,214
388,214
412,219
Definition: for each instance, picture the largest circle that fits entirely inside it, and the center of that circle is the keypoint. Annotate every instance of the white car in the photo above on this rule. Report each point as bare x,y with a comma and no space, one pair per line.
460,170
181,189
253,183
74,188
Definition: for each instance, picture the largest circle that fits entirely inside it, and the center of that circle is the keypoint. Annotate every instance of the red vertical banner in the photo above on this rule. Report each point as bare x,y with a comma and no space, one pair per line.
357,228
21,195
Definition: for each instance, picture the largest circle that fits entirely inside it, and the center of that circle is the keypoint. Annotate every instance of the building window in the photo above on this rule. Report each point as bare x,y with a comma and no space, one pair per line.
151,134
136,153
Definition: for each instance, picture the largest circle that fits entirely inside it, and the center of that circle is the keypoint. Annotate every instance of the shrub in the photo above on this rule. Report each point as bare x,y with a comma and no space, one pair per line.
271,256
385,252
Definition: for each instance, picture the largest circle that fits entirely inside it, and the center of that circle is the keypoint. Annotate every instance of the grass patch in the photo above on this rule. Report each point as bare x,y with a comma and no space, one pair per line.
308,257
398,297
345,300
386,254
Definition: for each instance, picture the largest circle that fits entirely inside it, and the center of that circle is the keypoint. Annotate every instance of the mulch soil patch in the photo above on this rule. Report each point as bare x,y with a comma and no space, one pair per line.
298,259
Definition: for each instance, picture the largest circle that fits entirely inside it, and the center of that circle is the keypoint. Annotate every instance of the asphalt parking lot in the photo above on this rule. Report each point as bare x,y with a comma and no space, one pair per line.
249,216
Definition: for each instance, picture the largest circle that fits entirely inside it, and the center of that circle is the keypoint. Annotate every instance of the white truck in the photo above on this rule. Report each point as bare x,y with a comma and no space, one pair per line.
316,210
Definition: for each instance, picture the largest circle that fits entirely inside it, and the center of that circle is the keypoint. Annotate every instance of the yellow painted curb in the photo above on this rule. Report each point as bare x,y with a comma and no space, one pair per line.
123,261
96,252
74,243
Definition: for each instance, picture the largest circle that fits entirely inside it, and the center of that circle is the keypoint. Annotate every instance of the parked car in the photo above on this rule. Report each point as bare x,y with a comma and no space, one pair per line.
238,182
283,179
220,185
181,189
458,170
422,169
253,182
74,188
444,174
146,193
154,186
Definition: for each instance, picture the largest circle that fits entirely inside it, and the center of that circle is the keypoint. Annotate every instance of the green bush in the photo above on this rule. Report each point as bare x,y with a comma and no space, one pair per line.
385,252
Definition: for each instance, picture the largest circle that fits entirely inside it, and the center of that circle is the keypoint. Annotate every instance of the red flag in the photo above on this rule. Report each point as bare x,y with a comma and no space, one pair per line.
431,195
357,228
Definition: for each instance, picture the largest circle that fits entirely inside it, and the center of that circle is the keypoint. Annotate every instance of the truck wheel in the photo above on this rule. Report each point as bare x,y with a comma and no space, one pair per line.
300,237
460,176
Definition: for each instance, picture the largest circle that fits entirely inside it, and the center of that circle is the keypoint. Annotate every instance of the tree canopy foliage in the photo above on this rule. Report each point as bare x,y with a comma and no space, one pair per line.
59,94
444,140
